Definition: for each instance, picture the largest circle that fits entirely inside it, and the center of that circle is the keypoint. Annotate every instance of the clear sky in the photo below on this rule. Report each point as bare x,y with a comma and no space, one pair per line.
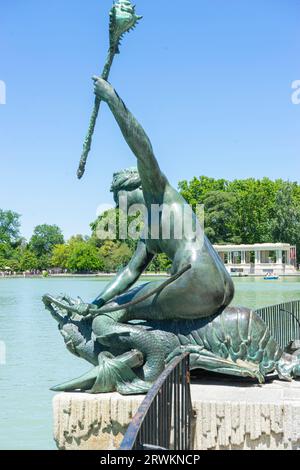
209,79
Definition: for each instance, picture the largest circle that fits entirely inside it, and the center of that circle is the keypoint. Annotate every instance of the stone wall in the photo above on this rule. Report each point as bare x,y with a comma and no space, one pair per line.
95,422
229,415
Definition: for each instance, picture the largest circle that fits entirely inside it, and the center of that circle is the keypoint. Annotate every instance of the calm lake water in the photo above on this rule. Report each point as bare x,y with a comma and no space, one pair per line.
36,357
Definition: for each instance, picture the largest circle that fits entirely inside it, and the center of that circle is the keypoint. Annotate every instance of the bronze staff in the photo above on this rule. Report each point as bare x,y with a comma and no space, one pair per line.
122,20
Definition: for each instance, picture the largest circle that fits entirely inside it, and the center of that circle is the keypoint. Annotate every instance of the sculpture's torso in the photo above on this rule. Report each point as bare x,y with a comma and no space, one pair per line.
203,290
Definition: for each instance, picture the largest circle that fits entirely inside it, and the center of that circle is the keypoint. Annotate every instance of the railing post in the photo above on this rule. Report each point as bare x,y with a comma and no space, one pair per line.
165,411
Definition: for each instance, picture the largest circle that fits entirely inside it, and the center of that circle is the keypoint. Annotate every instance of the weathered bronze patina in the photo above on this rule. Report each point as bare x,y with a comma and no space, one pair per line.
130,333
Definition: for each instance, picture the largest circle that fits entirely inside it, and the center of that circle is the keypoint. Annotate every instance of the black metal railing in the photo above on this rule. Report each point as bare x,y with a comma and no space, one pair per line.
164,420
283,321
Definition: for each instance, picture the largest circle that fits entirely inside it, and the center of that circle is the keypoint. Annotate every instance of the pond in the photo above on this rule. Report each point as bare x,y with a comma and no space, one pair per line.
36,357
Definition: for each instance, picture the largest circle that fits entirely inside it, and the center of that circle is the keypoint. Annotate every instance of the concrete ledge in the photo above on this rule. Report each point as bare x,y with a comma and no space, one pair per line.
92,422
229,416
242,416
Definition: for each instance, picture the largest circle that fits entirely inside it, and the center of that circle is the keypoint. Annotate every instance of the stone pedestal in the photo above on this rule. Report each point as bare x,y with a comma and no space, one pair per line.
92,422
239,416
228,416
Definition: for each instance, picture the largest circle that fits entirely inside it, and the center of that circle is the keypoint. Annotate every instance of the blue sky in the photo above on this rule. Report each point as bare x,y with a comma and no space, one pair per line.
210,80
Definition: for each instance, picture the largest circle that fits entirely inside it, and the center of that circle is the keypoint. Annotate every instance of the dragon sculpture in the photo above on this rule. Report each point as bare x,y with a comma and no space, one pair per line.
130,333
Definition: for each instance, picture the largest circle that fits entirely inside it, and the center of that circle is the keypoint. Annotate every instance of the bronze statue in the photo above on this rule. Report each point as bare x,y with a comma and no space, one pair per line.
129,334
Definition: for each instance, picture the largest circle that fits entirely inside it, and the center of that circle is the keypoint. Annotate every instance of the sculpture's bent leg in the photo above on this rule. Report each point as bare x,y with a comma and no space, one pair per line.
200,358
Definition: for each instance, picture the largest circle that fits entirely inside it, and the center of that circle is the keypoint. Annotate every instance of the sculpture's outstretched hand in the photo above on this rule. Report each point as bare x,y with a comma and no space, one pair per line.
71,306
85,310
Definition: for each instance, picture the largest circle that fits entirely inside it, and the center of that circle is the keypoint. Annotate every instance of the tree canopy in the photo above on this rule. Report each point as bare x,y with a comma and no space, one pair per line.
247,211
239,211
9,227
44,238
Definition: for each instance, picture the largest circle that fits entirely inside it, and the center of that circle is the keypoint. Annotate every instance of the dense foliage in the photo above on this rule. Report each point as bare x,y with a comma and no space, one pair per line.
247,211
239,211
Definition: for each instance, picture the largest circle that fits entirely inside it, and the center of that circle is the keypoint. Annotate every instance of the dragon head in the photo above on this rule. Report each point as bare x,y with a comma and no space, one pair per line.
122,20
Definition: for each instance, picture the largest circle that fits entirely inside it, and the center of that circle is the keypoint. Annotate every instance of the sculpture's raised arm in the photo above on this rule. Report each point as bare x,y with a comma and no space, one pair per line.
135,136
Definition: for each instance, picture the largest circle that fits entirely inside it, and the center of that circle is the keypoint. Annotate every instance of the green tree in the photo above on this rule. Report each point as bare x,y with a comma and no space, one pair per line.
114,218
60,255
161,263
44,238
196,191
44,261
3,263
6,250
28,261
10,256
83,257
114,255
9,227
245,207
107,221
219,215
253,209
286,220
14,264
121,256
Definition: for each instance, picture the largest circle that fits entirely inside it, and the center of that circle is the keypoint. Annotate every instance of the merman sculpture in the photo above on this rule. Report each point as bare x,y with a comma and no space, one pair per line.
129,335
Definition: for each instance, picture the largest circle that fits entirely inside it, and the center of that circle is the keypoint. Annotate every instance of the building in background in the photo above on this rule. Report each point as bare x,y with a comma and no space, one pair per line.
259,259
